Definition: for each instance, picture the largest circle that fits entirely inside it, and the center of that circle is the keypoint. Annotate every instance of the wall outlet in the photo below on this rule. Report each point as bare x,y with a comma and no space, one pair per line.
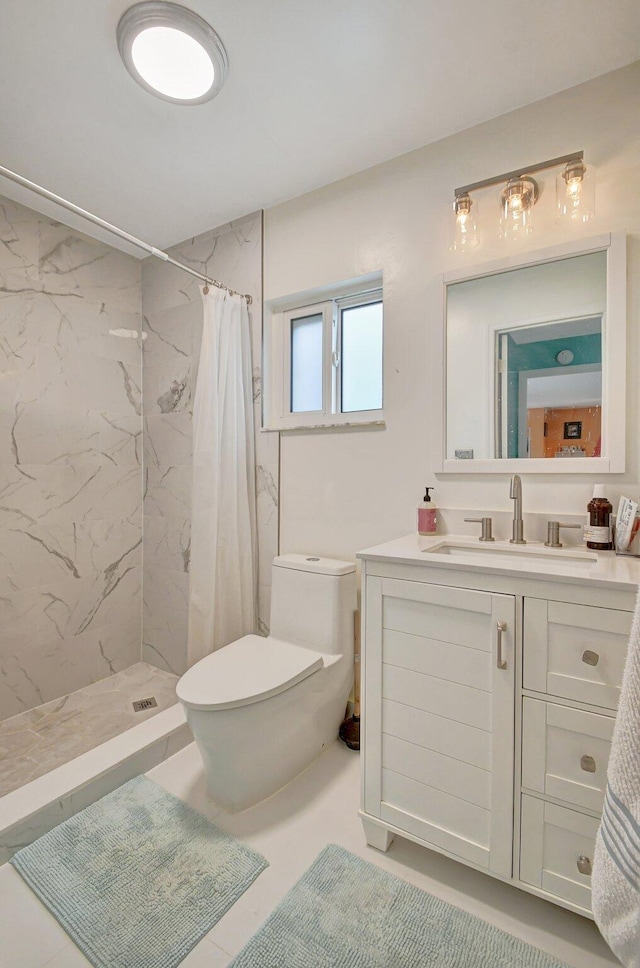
464,454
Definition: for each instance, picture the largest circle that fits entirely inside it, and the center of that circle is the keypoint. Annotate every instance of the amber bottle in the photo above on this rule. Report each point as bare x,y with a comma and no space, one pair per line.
599,527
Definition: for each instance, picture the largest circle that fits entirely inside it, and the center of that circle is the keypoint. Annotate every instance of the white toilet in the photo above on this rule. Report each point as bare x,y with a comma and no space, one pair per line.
261,709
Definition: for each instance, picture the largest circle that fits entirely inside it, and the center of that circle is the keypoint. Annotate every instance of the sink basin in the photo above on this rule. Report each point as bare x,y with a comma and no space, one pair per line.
563,557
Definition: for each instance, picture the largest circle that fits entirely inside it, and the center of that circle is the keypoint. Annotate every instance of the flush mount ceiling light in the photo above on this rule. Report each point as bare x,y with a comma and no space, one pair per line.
172,52
574,200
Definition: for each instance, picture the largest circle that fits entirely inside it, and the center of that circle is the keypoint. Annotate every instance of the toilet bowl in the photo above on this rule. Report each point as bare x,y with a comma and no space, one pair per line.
261,709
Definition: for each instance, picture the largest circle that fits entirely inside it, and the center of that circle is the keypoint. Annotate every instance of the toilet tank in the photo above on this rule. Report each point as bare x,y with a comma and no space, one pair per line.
313,601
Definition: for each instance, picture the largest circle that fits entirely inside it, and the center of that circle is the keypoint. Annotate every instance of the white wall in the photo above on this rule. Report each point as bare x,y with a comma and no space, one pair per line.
345,490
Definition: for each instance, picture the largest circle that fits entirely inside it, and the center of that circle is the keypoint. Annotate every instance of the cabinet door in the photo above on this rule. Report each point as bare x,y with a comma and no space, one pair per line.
439,716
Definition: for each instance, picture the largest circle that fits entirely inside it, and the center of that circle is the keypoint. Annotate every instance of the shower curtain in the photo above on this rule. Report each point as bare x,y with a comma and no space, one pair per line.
223,580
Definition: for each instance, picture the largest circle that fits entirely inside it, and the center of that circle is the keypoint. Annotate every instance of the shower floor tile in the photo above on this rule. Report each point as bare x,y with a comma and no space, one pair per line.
40,739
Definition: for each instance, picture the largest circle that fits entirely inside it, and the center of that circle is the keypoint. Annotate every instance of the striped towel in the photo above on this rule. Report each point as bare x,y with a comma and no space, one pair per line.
616,868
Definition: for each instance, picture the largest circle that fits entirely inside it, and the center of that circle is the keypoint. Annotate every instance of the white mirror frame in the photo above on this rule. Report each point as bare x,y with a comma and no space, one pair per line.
614,362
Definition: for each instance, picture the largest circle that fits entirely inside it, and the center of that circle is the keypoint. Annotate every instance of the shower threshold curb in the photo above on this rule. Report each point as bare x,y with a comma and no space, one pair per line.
36,807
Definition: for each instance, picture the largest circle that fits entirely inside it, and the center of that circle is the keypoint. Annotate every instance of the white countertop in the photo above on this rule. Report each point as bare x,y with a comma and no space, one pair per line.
503,558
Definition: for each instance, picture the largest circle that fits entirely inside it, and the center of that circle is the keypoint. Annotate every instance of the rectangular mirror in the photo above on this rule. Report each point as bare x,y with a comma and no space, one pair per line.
535,362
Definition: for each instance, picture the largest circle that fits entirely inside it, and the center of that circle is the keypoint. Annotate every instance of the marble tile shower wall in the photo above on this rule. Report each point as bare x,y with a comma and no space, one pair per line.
172,309
70,461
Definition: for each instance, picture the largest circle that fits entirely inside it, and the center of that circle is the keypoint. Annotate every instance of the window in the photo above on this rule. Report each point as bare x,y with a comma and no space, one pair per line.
306,363
325,362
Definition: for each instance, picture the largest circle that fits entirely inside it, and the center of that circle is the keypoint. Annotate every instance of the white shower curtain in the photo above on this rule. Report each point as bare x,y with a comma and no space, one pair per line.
222,590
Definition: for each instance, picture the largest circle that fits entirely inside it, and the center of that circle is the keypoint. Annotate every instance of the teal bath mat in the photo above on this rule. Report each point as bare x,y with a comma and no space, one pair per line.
138,878
347,913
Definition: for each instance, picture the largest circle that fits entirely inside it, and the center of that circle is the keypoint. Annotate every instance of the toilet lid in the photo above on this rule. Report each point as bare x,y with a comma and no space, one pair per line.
246,671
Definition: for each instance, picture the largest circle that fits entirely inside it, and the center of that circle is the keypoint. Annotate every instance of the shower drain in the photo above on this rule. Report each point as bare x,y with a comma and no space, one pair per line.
141,704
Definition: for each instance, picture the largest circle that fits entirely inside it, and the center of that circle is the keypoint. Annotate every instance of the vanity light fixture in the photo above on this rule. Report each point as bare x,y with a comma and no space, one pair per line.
172,52
520,192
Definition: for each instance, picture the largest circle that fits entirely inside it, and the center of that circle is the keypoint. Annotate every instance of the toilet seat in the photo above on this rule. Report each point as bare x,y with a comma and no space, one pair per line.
246,671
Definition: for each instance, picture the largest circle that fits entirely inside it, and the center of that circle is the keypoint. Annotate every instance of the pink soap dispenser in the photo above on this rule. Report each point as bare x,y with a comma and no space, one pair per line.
427,514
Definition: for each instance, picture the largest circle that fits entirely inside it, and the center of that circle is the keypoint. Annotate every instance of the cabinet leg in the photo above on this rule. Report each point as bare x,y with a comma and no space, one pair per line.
377,836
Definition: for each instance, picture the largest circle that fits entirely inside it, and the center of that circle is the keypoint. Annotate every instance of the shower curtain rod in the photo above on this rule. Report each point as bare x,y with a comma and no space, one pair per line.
151,249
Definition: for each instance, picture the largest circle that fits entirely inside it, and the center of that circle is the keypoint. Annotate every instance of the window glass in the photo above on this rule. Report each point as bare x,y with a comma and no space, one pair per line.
361,358
306,363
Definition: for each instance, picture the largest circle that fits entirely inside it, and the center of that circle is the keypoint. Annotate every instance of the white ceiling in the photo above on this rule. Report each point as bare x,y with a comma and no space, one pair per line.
562,389
564,329
317,89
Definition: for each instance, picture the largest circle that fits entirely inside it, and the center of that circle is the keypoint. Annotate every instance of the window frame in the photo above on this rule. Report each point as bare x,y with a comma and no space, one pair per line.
277,407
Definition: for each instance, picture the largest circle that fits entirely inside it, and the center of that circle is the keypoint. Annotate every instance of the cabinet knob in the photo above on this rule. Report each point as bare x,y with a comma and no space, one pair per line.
588,764
584,864
590,658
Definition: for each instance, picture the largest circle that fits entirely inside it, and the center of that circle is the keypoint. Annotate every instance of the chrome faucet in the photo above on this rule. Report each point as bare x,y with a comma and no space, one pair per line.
515,493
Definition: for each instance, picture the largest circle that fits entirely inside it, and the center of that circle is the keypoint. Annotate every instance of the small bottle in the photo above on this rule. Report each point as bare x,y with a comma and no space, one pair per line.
427,514
598,530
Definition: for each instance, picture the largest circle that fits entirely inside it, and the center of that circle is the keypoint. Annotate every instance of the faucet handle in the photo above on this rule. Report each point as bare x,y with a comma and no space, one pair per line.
553,533
486,528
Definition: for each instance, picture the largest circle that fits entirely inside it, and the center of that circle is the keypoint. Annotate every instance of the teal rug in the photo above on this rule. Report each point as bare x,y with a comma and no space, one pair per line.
347,913
137,878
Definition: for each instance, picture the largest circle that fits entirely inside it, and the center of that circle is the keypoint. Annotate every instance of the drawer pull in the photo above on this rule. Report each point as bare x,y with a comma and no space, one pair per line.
588,764
584,864
501,663
590,658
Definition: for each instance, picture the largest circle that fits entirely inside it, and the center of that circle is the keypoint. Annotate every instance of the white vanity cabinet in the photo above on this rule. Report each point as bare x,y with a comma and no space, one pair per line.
489,697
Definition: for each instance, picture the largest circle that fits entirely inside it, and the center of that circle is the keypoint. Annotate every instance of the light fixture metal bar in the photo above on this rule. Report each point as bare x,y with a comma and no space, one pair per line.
114,230
518,172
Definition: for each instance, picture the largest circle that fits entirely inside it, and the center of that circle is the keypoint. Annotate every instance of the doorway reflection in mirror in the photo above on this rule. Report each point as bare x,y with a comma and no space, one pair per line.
549,389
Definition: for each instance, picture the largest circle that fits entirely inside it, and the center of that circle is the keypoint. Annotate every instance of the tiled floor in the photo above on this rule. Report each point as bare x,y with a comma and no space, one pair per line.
317,808
38,740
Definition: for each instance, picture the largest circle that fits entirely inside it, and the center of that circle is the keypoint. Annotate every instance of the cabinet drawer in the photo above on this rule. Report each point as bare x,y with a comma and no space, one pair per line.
565,752
556,850
575,651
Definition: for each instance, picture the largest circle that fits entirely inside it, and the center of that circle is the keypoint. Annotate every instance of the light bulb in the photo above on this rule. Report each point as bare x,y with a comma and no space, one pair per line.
575,195
516,205
465,234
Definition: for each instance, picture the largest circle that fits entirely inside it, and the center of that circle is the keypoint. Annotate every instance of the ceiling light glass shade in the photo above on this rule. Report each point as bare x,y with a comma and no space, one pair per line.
575,193
465,227
516,208
172,52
